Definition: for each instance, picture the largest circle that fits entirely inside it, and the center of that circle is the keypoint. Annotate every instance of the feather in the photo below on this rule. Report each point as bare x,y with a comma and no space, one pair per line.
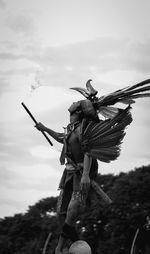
127,101
125,95
108,112
98,128
145,82
136,96
102,140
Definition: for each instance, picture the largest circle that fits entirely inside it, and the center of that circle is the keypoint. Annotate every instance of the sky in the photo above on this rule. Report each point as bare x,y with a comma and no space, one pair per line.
46,47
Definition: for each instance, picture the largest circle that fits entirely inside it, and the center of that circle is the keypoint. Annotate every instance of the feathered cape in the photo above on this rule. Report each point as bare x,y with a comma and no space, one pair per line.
102,140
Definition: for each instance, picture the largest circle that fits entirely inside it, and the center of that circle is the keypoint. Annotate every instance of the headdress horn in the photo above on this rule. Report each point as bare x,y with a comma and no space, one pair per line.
90,88
87,93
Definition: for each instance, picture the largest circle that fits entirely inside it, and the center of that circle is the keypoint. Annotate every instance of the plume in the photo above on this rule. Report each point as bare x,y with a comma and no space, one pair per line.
126,95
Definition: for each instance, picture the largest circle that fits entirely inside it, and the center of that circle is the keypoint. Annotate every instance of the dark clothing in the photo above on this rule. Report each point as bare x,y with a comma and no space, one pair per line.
74,156
70,184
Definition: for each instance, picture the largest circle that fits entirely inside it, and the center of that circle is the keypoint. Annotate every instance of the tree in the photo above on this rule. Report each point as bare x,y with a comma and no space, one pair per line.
108,229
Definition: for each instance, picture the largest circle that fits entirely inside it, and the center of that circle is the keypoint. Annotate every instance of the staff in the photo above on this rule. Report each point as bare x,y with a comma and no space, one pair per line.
34,120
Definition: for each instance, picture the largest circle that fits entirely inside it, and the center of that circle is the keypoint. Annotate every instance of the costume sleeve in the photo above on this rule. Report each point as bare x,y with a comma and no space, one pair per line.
102,140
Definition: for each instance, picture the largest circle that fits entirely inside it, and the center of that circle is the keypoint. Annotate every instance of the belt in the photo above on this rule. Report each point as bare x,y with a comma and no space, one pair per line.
71,167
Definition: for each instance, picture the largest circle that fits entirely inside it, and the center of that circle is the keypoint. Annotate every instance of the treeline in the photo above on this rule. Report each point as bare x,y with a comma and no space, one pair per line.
108,229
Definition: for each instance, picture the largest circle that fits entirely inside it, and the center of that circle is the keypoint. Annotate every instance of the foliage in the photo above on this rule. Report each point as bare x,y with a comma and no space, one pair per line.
108,229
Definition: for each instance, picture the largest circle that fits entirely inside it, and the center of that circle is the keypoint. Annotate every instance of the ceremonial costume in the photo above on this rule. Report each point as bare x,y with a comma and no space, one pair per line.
70,181
87,139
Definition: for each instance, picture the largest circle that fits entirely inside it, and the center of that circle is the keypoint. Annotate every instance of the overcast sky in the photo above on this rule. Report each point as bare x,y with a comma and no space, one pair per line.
58,44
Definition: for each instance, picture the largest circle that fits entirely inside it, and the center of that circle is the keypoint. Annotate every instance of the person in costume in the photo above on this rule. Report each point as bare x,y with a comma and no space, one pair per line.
86,139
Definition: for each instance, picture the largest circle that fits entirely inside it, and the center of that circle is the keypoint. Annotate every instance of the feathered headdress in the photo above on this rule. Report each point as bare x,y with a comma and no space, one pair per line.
126,95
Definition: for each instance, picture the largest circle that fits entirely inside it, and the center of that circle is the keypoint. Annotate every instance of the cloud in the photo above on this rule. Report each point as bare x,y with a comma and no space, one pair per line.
10,206
74,64
81,55
4,84
9,56
2,4
44,152
8,45
15,140
6,175
21,23
15,176
104,54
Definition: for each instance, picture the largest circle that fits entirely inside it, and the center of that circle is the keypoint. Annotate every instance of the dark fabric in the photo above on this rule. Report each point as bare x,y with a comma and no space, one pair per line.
69,232
62,156
65,197
67,186
70,128
68,174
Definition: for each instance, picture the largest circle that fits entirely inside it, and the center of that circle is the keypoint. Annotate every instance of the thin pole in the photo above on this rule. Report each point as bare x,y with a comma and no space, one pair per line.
133,243
34,120
46,243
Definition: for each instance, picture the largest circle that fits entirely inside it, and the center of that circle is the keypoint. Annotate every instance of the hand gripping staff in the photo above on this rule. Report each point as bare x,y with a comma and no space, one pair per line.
32,117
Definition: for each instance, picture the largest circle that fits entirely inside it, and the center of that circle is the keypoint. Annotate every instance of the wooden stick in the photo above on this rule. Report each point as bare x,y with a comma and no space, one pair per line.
34,120
100,192
46,243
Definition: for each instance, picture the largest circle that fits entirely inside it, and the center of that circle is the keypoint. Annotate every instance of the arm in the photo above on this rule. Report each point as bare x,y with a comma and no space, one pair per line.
56,135
86,165
85,179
